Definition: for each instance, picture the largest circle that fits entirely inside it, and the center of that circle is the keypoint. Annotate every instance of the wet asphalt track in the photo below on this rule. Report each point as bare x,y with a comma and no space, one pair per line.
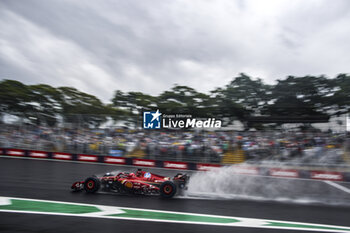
51,180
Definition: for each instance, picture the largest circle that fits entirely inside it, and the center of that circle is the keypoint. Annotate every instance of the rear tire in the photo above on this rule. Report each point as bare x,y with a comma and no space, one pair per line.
167,189
92,185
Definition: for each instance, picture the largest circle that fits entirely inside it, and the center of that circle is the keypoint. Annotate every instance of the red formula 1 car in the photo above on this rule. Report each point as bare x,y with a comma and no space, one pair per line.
140,182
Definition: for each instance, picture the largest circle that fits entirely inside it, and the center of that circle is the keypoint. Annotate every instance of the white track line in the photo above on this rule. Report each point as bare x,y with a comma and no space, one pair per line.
185,217
338,186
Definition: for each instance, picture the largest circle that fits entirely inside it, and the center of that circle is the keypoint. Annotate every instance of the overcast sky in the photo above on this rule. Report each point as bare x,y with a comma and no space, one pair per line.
101,46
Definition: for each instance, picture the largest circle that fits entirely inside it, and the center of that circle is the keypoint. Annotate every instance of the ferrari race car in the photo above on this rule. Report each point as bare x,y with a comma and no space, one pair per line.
140,182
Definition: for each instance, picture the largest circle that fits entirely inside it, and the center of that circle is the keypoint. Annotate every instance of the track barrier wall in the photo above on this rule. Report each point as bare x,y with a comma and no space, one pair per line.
239,169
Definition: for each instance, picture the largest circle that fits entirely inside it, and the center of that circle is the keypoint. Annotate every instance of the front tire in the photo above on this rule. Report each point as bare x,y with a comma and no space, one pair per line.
167,189
92,185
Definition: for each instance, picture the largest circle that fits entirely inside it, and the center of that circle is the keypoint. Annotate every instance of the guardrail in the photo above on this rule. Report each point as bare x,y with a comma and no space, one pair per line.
245,169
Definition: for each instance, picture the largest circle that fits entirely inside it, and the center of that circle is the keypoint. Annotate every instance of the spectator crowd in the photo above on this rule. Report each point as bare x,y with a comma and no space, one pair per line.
195,146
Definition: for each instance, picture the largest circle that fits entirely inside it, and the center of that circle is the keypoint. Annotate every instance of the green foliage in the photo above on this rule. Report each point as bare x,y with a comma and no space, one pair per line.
241,98
90,109
43,103
15,97
183,99
340,101
301,96
252,94
48,102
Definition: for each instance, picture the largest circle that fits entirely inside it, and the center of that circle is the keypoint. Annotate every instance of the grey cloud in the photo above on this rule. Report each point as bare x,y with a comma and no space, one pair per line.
150,45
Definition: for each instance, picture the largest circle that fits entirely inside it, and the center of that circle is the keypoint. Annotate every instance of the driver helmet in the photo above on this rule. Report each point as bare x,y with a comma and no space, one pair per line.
139,172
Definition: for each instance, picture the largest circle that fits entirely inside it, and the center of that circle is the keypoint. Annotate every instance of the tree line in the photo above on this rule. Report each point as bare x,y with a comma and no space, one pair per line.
240,99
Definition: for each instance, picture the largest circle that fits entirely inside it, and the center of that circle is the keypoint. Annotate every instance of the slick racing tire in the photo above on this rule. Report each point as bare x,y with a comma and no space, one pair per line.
92,185
167,189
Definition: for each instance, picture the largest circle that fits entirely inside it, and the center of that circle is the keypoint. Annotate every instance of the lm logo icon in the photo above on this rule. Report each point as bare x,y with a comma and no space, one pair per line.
151,120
